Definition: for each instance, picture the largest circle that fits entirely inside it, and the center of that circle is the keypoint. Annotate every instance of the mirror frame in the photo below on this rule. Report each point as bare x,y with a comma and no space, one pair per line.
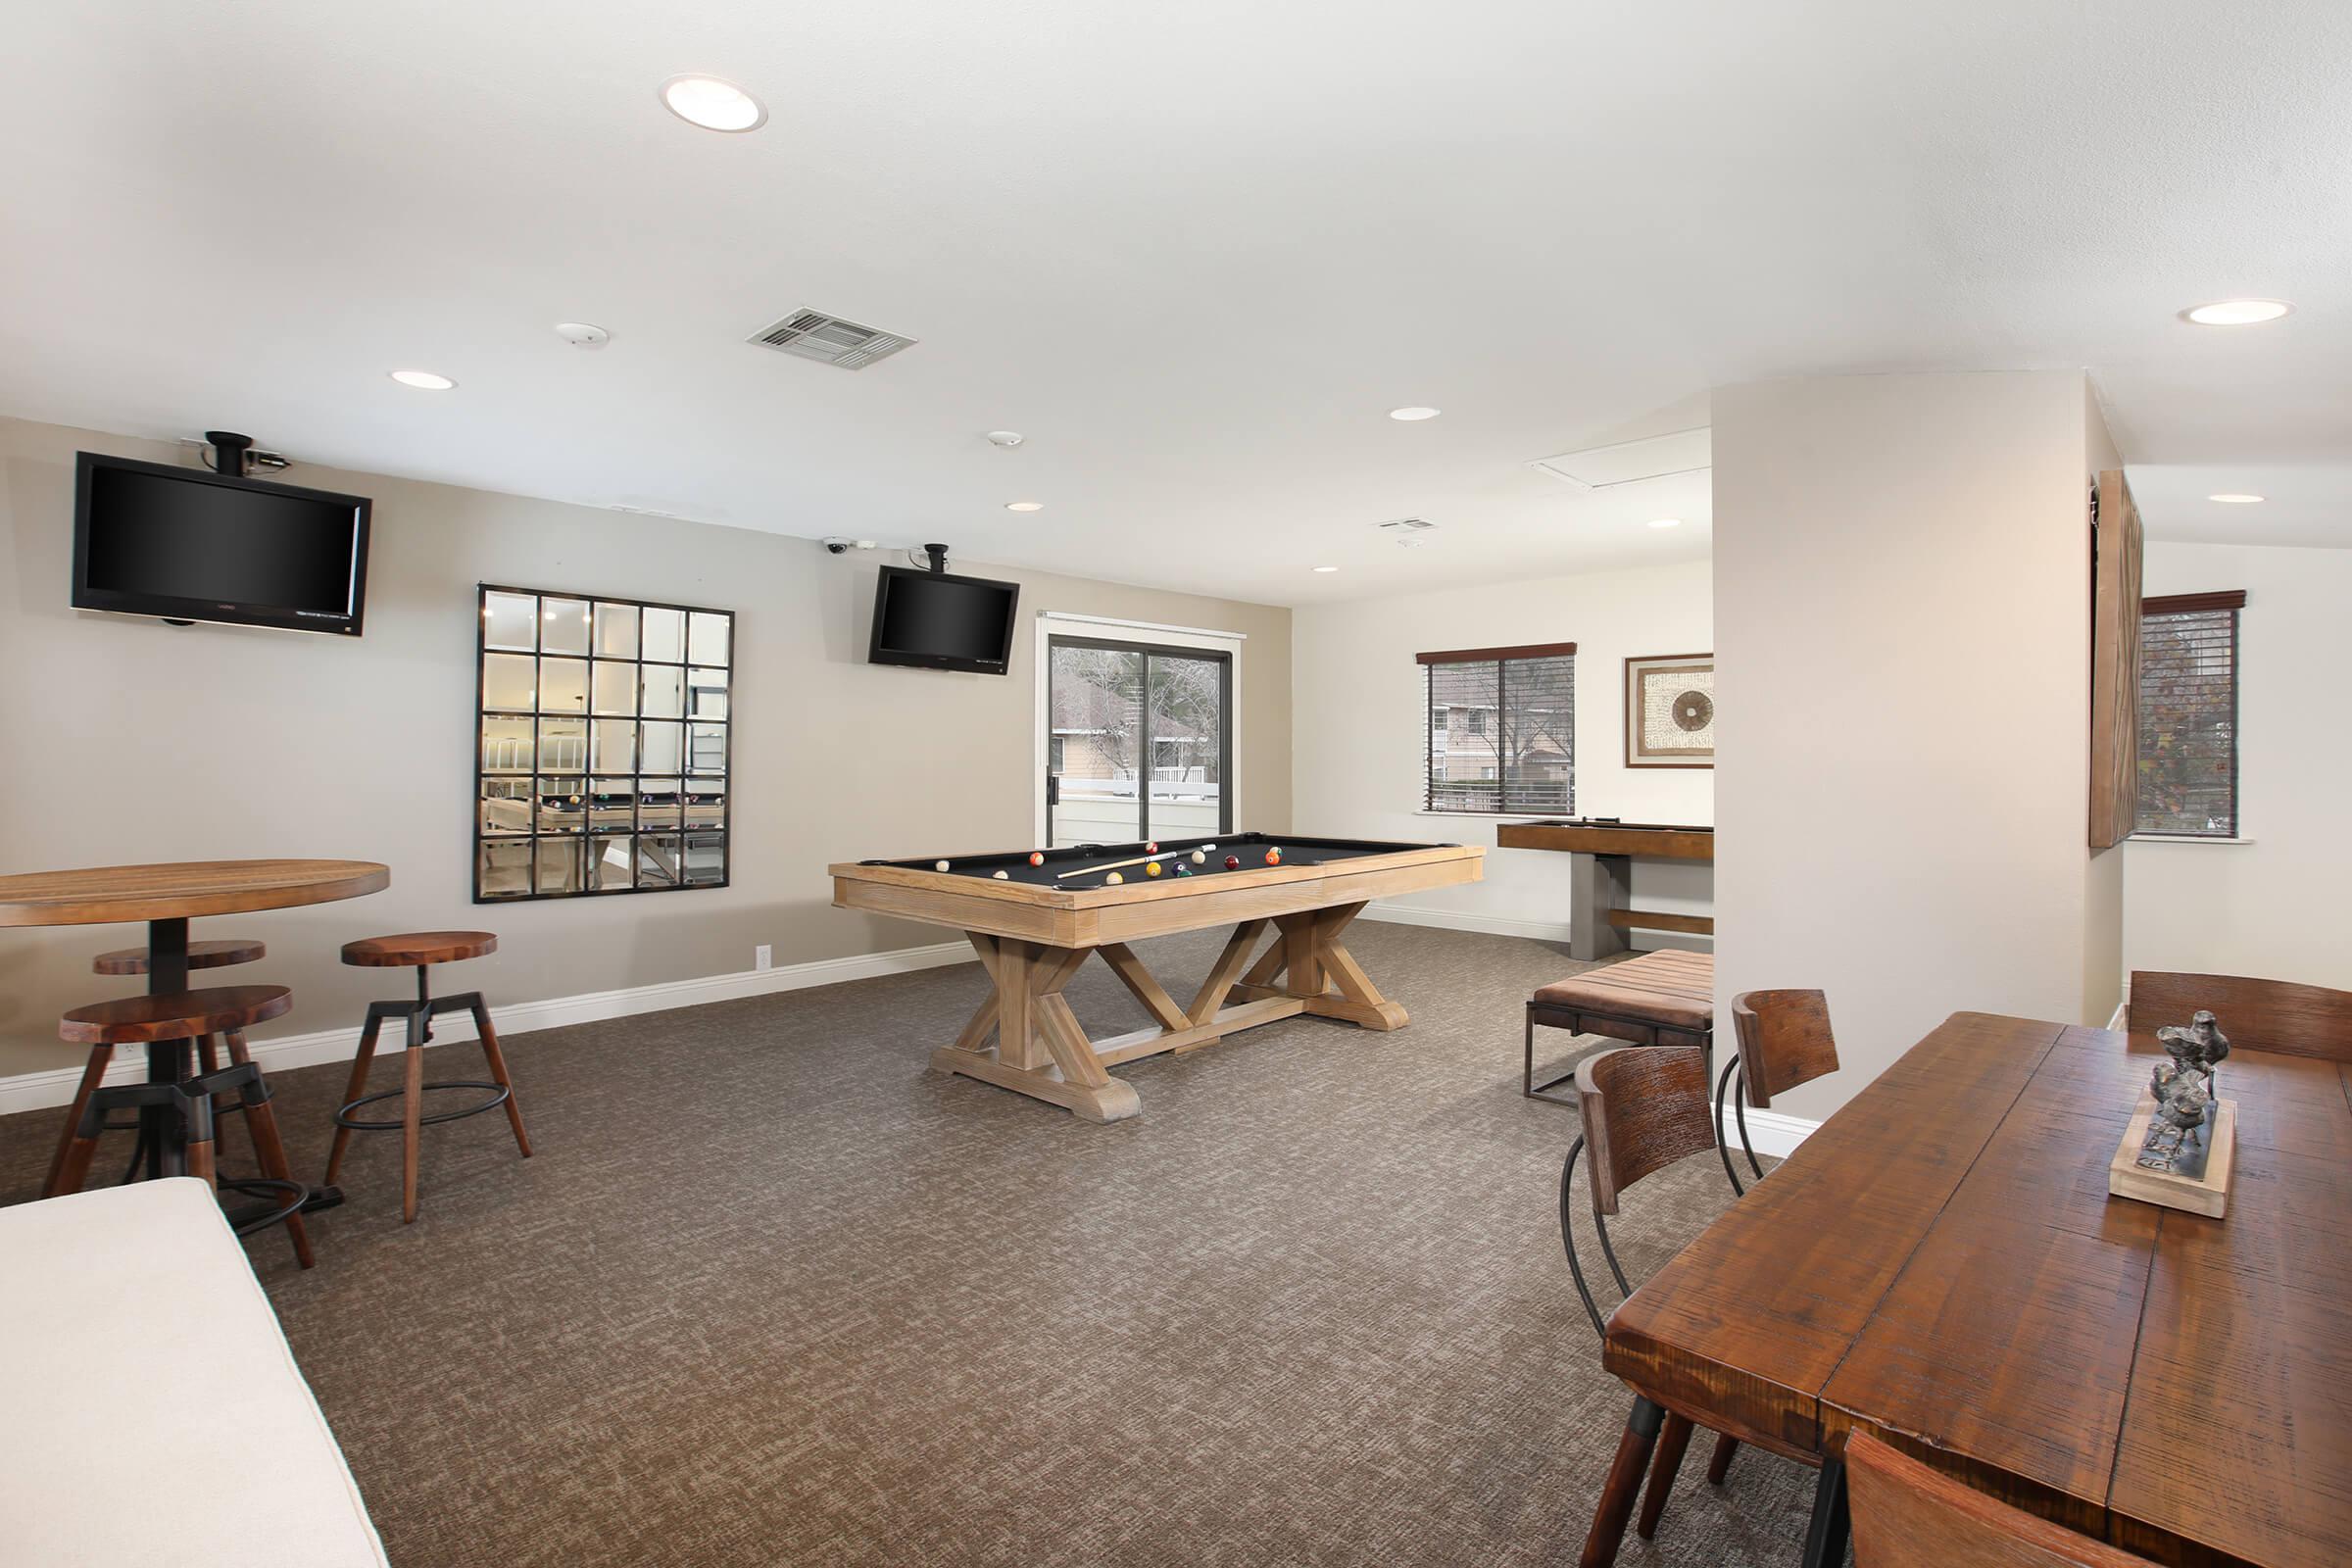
588,834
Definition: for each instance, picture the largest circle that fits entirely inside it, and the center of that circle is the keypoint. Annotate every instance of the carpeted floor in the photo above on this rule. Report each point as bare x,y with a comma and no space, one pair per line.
773,1294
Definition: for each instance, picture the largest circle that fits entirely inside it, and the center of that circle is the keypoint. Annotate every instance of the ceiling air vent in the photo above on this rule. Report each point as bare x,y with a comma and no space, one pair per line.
829,340
1407,531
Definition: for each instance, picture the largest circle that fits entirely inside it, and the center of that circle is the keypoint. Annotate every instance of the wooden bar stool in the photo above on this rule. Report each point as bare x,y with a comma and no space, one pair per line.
225,1010
133,960
420,950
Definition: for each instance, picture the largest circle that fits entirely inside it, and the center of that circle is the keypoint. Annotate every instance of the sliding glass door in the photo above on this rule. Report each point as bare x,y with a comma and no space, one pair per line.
1138,743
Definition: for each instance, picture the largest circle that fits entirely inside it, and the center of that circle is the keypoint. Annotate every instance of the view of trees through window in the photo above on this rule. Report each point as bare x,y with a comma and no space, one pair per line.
1501,732
2189,718
1114,704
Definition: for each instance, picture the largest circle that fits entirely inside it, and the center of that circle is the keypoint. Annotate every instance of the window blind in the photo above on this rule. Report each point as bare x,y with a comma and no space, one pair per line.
2188,714
1501,729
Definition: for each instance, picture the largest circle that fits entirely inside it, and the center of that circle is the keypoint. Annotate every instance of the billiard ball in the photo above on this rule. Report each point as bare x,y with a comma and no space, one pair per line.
1037,857
1151,868
1200,858
1114,879
1273,856
1151,848
1232,862
1183,869
1003,876
939,866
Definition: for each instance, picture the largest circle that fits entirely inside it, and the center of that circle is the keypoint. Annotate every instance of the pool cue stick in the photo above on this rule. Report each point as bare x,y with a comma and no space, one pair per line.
1119,865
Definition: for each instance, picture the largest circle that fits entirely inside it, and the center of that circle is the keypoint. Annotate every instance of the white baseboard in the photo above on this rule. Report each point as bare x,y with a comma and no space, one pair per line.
1493,925
35,1091
1769,1132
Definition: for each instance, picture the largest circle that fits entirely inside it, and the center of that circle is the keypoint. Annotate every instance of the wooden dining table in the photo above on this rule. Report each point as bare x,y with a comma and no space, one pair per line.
1940,1264
167,897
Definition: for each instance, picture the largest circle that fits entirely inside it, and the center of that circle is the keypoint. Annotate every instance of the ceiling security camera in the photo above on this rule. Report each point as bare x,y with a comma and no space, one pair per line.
837,546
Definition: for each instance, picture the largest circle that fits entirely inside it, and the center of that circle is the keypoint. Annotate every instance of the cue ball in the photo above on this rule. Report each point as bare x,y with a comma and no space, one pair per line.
1273,856
1151,868
939,866
1115,877
1200,858
1003,876
1037,857
1232,862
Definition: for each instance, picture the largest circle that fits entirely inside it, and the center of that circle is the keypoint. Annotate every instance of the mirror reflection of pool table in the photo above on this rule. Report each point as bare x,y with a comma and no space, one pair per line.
1033,917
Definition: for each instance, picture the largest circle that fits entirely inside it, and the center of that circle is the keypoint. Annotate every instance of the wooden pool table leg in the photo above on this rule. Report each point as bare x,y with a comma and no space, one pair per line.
1315,968
1041,1051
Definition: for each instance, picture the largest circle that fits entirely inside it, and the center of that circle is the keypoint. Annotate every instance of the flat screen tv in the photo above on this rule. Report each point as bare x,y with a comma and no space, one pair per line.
937,621
185,544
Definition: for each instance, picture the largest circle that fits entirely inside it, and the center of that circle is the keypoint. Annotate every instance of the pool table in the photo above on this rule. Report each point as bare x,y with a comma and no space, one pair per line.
1034,926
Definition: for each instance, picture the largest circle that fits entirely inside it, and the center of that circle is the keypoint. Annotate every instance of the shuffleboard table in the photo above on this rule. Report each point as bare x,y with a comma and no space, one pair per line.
1034,925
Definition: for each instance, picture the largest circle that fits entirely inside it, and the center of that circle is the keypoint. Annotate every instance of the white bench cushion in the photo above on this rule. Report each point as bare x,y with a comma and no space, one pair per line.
154,1413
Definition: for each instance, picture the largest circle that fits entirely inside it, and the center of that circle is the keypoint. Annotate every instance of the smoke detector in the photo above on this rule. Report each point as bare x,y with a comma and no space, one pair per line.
1005,438
583,334
829,340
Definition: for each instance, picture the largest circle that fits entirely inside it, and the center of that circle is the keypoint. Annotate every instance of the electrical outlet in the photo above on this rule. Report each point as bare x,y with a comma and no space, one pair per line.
763,957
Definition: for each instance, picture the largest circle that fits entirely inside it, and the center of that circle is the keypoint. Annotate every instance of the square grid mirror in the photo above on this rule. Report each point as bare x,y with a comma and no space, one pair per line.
601,746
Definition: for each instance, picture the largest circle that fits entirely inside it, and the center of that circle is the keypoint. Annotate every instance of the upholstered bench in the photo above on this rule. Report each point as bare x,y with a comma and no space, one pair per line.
1659,999
154,1412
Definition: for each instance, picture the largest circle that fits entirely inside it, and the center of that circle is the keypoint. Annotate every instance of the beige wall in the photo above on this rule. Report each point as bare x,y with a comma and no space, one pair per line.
1902,628
1361,725
2271,906
130,741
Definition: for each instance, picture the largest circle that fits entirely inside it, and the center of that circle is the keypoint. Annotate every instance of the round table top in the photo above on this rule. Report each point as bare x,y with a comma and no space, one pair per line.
176,890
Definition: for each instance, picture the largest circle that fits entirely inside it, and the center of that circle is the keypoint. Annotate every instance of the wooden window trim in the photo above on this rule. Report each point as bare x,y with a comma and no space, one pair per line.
1491,656
2189,604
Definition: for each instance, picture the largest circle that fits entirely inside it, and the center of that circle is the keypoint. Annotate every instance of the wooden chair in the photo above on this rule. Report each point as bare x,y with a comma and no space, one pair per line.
420,950
1785,1040
195,1015
1906,1513
133,960
1643,1109
2281,1016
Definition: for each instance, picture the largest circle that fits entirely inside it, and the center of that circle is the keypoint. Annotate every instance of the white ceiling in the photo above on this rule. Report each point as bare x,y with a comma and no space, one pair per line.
1194,253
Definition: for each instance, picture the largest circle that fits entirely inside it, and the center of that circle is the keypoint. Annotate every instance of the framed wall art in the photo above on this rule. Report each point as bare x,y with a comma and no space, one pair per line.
1670,710
603,746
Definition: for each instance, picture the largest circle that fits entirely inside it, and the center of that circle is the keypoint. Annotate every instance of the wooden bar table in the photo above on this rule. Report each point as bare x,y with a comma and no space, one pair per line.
167,897
1600,856
1940,1264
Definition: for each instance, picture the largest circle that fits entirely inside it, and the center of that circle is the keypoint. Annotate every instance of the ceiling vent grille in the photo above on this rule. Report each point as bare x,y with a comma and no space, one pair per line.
1407,531
829,340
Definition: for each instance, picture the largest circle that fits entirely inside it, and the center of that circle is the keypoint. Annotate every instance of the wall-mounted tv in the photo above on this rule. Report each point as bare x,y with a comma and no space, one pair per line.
937,621
150,539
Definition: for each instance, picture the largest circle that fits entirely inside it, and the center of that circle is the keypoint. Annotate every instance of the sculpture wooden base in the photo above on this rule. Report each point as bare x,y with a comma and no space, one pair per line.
2207,1193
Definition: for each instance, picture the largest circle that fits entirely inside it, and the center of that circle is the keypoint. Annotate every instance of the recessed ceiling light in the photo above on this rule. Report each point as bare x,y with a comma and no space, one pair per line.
712,104
1024,506
2234,498
1327,568
1411,413
2238,313
424,380
1665,523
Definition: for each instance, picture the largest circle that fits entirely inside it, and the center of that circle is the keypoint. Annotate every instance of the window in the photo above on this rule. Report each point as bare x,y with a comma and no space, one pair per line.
1501,729
2188,714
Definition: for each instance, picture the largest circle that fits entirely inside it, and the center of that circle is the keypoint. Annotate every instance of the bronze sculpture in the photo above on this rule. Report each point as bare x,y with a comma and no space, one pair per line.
2183,1086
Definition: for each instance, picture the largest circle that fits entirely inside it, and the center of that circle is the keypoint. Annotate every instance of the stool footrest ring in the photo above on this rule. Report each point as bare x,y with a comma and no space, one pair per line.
285,1200
500,1095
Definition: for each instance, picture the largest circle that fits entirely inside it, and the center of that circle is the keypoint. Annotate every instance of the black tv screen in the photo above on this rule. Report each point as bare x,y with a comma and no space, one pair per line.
936,621
150,539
